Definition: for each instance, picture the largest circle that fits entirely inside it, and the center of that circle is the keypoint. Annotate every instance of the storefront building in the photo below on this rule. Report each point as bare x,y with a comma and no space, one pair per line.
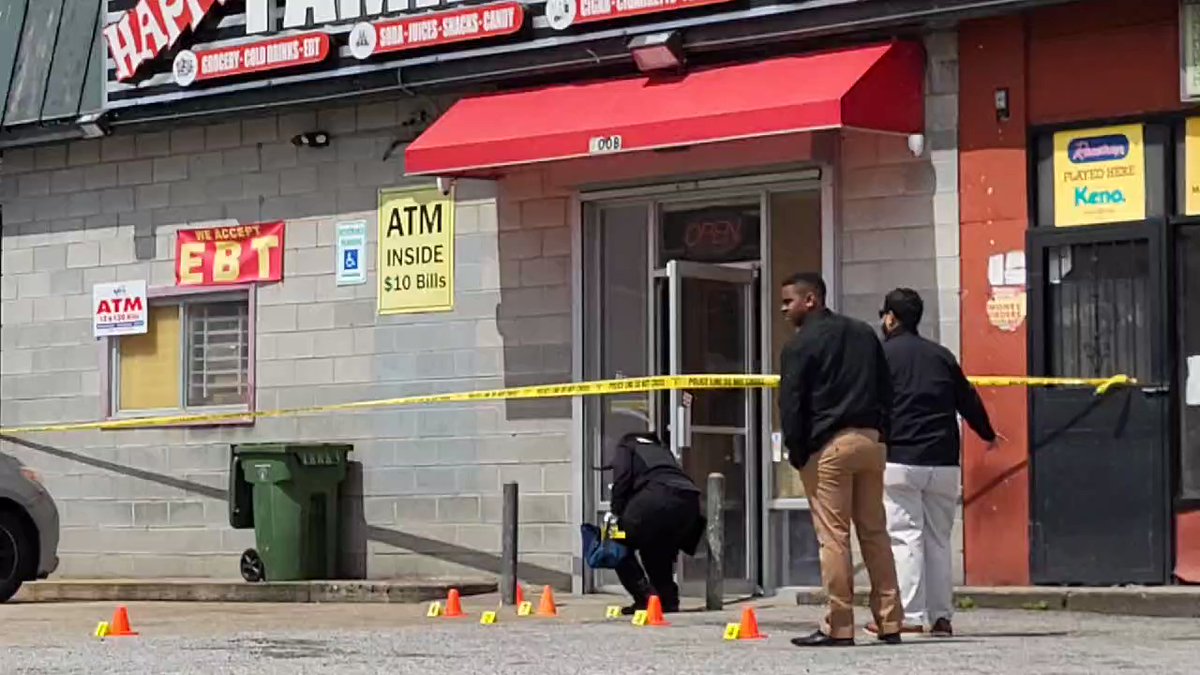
1078,154
583,217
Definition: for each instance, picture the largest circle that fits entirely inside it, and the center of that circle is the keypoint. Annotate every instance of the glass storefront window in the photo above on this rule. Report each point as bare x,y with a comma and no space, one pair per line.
795,247
616,323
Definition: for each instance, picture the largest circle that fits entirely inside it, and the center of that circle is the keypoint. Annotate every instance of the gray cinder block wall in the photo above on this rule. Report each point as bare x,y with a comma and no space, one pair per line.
899,220
150,503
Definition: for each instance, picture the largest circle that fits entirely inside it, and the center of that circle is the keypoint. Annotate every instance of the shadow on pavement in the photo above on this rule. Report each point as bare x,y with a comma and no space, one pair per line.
433,548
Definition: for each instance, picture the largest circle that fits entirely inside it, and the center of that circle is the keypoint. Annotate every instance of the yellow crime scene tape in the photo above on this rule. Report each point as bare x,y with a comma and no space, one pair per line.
631,385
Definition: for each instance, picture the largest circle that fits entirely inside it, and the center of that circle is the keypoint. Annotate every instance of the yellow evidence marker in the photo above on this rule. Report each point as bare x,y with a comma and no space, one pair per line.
612,612
525,609
435,610
733,631
639,618
487,618
101,629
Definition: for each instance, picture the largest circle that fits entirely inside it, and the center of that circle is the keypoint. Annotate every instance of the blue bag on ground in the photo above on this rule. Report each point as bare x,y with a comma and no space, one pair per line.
598,552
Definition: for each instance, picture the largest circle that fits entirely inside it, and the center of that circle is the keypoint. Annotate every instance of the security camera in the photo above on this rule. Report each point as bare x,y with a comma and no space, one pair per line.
311,139
916,144
445,185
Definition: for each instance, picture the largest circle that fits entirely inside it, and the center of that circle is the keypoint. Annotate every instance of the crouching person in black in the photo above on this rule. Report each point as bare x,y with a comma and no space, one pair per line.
658,507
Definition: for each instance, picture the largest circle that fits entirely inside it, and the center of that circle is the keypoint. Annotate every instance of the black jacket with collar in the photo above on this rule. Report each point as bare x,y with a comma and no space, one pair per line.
930,389
833,376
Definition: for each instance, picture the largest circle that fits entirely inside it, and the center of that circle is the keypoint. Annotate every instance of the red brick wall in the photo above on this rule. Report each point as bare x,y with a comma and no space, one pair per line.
993,213
1076,62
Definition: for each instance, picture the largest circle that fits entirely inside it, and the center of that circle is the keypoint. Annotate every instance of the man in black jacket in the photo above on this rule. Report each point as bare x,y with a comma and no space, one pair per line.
921,483
658,507
835,400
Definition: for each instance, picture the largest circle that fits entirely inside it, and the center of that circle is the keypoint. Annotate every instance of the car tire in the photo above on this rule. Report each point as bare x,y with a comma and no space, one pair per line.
17,549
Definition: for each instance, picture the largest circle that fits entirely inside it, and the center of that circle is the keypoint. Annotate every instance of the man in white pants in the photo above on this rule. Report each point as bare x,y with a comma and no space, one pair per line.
922,478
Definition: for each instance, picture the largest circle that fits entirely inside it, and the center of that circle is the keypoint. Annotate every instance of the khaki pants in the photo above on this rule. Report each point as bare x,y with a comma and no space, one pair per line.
844,482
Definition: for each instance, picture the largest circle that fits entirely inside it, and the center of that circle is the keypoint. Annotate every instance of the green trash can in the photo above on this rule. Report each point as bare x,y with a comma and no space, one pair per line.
292,494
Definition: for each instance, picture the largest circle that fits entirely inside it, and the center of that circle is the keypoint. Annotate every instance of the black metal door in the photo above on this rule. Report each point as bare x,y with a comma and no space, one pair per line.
1099,487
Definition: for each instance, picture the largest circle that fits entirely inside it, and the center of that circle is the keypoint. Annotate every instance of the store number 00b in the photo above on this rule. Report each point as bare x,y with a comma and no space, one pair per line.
414,282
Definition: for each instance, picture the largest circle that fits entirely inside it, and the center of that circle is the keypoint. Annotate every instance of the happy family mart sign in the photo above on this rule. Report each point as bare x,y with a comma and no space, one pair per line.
1099,176
154,27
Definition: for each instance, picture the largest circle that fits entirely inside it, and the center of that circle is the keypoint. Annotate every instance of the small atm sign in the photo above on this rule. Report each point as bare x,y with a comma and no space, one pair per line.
219,256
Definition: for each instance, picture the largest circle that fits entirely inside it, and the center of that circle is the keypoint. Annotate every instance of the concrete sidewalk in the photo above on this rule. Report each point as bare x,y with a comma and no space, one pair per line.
1160,601
222,590
1163,601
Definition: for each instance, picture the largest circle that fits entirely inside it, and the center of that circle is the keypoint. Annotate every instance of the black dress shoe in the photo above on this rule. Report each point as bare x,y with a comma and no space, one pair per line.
890,638
630,610
820,639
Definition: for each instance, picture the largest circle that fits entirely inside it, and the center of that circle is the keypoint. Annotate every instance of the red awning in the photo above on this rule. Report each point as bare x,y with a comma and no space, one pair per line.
876,88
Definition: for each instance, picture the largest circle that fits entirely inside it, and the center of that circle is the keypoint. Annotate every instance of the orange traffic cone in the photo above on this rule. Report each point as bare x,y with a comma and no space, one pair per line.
654,612
119,626
749,626
520,595
547,607
453,605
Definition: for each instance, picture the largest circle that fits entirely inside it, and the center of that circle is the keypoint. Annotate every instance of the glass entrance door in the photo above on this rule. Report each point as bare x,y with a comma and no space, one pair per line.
709,321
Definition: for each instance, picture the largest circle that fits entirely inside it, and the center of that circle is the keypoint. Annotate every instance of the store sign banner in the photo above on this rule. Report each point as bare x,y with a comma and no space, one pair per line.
439,28
562,14
150,28
256,57
119,308
416,251
351,253
220,256
1189,50
1191,168
1099,176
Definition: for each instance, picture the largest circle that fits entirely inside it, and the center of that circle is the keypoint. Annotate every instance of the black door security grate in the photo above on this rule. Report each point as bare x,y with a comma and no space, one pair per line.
1099,315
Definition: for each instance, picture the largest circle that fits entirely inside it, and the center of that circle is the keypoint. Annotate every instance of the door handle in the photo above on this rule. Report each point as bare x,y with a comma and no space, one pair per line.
684,416
1158,390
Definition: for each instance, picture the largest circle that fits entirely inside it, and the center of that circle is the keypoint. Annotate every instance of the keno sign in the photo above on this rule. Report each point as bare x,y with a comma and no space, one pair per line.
119,308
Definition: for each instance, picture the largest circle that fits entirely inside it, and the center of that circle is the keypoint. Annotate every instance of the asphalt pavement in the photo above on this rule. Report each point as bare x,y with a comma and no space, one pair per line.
375,638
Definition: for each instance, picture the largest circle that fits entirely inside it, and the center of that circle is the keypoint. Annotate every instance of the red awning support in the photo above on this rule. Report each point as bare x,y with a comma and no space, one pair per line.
877,88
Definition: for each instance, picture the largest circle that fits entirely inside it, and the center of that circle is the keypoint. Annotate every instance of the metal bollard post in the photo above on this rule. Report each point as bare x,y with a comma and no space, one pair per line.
508,546
714,589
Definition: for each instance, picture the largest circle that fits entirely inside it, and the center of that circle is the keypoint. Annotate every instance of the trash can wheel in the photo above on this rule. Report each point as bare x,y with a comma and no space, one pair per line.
252,566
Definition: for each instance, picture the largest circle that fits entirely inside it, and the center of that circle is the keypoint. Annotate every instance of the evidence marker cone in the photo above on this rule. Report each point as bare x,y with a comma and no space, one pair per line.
119,626
546,606
453,605
654,612
748,630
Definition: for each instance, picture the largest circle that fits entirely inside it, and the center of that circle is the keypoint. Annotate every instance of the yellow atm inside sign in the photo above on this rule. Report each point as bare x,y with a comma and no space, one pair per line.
416,251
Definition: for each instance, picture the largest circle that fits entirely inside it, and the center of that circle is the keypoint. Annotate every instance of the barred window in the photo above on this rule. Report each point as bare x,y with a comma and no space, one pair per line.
218,353
195,354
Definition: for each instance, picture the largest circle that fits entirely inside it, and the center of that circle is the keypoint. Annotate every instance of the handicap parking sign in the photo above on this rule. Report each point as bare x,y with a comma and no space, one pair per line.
351,242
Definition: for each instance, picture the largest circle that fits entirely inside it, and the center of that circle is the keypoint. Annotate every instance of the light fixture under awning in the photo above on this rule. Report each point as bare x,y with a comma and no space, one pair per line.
876,88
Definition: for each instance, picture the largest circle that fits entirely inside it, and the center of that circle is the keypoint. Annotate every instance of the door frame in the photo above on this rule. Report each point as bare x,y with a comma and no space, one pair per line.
818,177
1189,227
1153,231
674,274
